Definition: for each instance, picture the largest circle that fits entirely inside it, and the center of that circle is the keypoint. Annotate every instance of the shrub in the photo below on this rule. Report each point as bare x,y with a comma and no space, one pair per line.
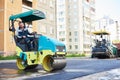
11,57
75,55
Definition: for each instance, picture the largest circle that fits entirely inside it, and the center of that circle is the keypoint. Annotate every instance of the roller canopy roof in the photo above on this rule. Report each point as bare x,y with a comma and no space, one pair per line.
101,33
28,16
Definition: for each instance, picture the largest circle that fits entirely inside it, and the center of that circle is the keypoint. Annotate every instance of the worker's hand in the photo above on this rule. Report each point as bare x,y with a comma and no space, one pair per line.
10,27
34,33
24,36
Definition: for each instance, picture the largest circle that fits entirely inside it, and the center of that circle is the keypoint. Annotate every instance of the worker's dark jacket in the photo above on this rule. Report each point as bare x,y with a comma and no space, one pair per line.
20,33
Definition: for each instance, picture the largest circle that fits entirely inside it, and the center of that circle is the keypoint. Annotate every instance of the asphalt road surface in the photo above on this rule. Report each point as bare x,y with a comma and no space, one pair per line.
75,68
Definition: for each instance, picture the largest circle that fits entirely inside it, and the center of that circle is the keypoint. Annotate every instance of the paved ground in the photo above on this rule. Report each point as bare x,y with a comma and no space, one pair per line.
76,68
113,74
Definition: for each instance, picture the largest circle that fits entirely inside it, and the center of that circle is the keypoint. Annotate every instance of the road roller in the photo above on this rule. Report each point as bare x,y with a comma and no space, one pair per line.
47,51
103,48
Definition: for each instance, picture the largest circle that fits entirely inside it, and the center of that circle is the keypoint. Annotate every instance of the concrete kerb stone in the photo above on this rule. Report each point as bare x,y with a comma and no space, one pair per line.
7,61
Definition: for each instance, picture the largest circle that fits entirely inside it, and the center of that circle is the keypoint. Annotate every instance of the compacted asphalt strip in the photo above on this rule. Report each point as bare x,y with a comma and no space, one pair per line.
76,68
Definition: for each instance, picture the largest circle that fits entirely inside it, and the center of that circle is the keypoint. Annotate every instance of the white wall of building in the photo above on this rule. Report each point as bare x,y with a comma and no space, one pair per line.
61,20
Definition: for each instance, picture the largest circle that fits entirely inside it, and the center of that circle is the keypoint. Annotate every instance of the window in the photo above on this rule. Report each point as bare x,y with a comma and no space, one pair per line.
70,40
76,40
61,26
75,6
61,19
92,9
61,13
87,46
87,0
61,33
51,3
70,47
62,39
76,33
75,27
76,46
70,34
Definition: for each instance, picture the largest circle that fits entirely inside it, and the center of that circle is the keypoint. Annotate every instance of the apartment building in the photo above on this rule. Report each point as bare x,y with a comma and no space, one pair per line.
80,17
11,7
110,25
104,23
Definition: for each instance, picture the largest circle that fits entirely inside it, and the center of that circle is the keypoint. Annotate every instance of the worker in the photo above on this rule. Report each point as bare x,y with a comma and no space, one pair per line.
22,34
31,34
30,30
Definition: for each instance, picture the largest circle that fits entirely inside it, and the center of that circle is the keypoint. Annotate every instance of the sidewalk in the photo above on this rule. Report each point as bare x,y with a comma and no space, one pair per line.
113,74
7,61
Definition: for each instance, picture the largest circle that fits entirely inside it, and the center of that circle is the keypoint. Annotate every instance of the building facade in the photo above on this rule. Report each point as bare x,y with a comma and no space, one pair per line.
7,8
79,22
61,11
117,28
11,7
110,25
104,23
47,26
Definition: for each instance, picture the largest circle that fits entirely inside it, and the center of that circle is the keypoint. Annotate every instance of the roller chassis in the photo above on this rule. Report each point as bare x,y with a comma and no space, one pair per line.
46,58
100,55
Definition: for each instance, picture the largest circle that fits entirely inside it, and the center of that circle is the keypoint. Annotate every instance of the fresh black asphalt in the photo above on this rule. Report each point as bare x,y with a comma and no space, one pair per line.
76,67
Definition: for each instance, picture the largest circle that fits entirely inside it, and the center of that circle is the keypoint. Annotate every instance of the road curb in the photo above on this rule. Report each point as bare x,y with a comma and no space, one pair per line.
7,61
11,61
77,57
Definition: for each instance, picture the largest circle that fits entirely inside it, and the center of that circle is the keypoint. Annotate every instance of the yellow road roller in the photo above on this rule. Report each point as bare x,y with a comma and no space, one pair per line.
47,51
